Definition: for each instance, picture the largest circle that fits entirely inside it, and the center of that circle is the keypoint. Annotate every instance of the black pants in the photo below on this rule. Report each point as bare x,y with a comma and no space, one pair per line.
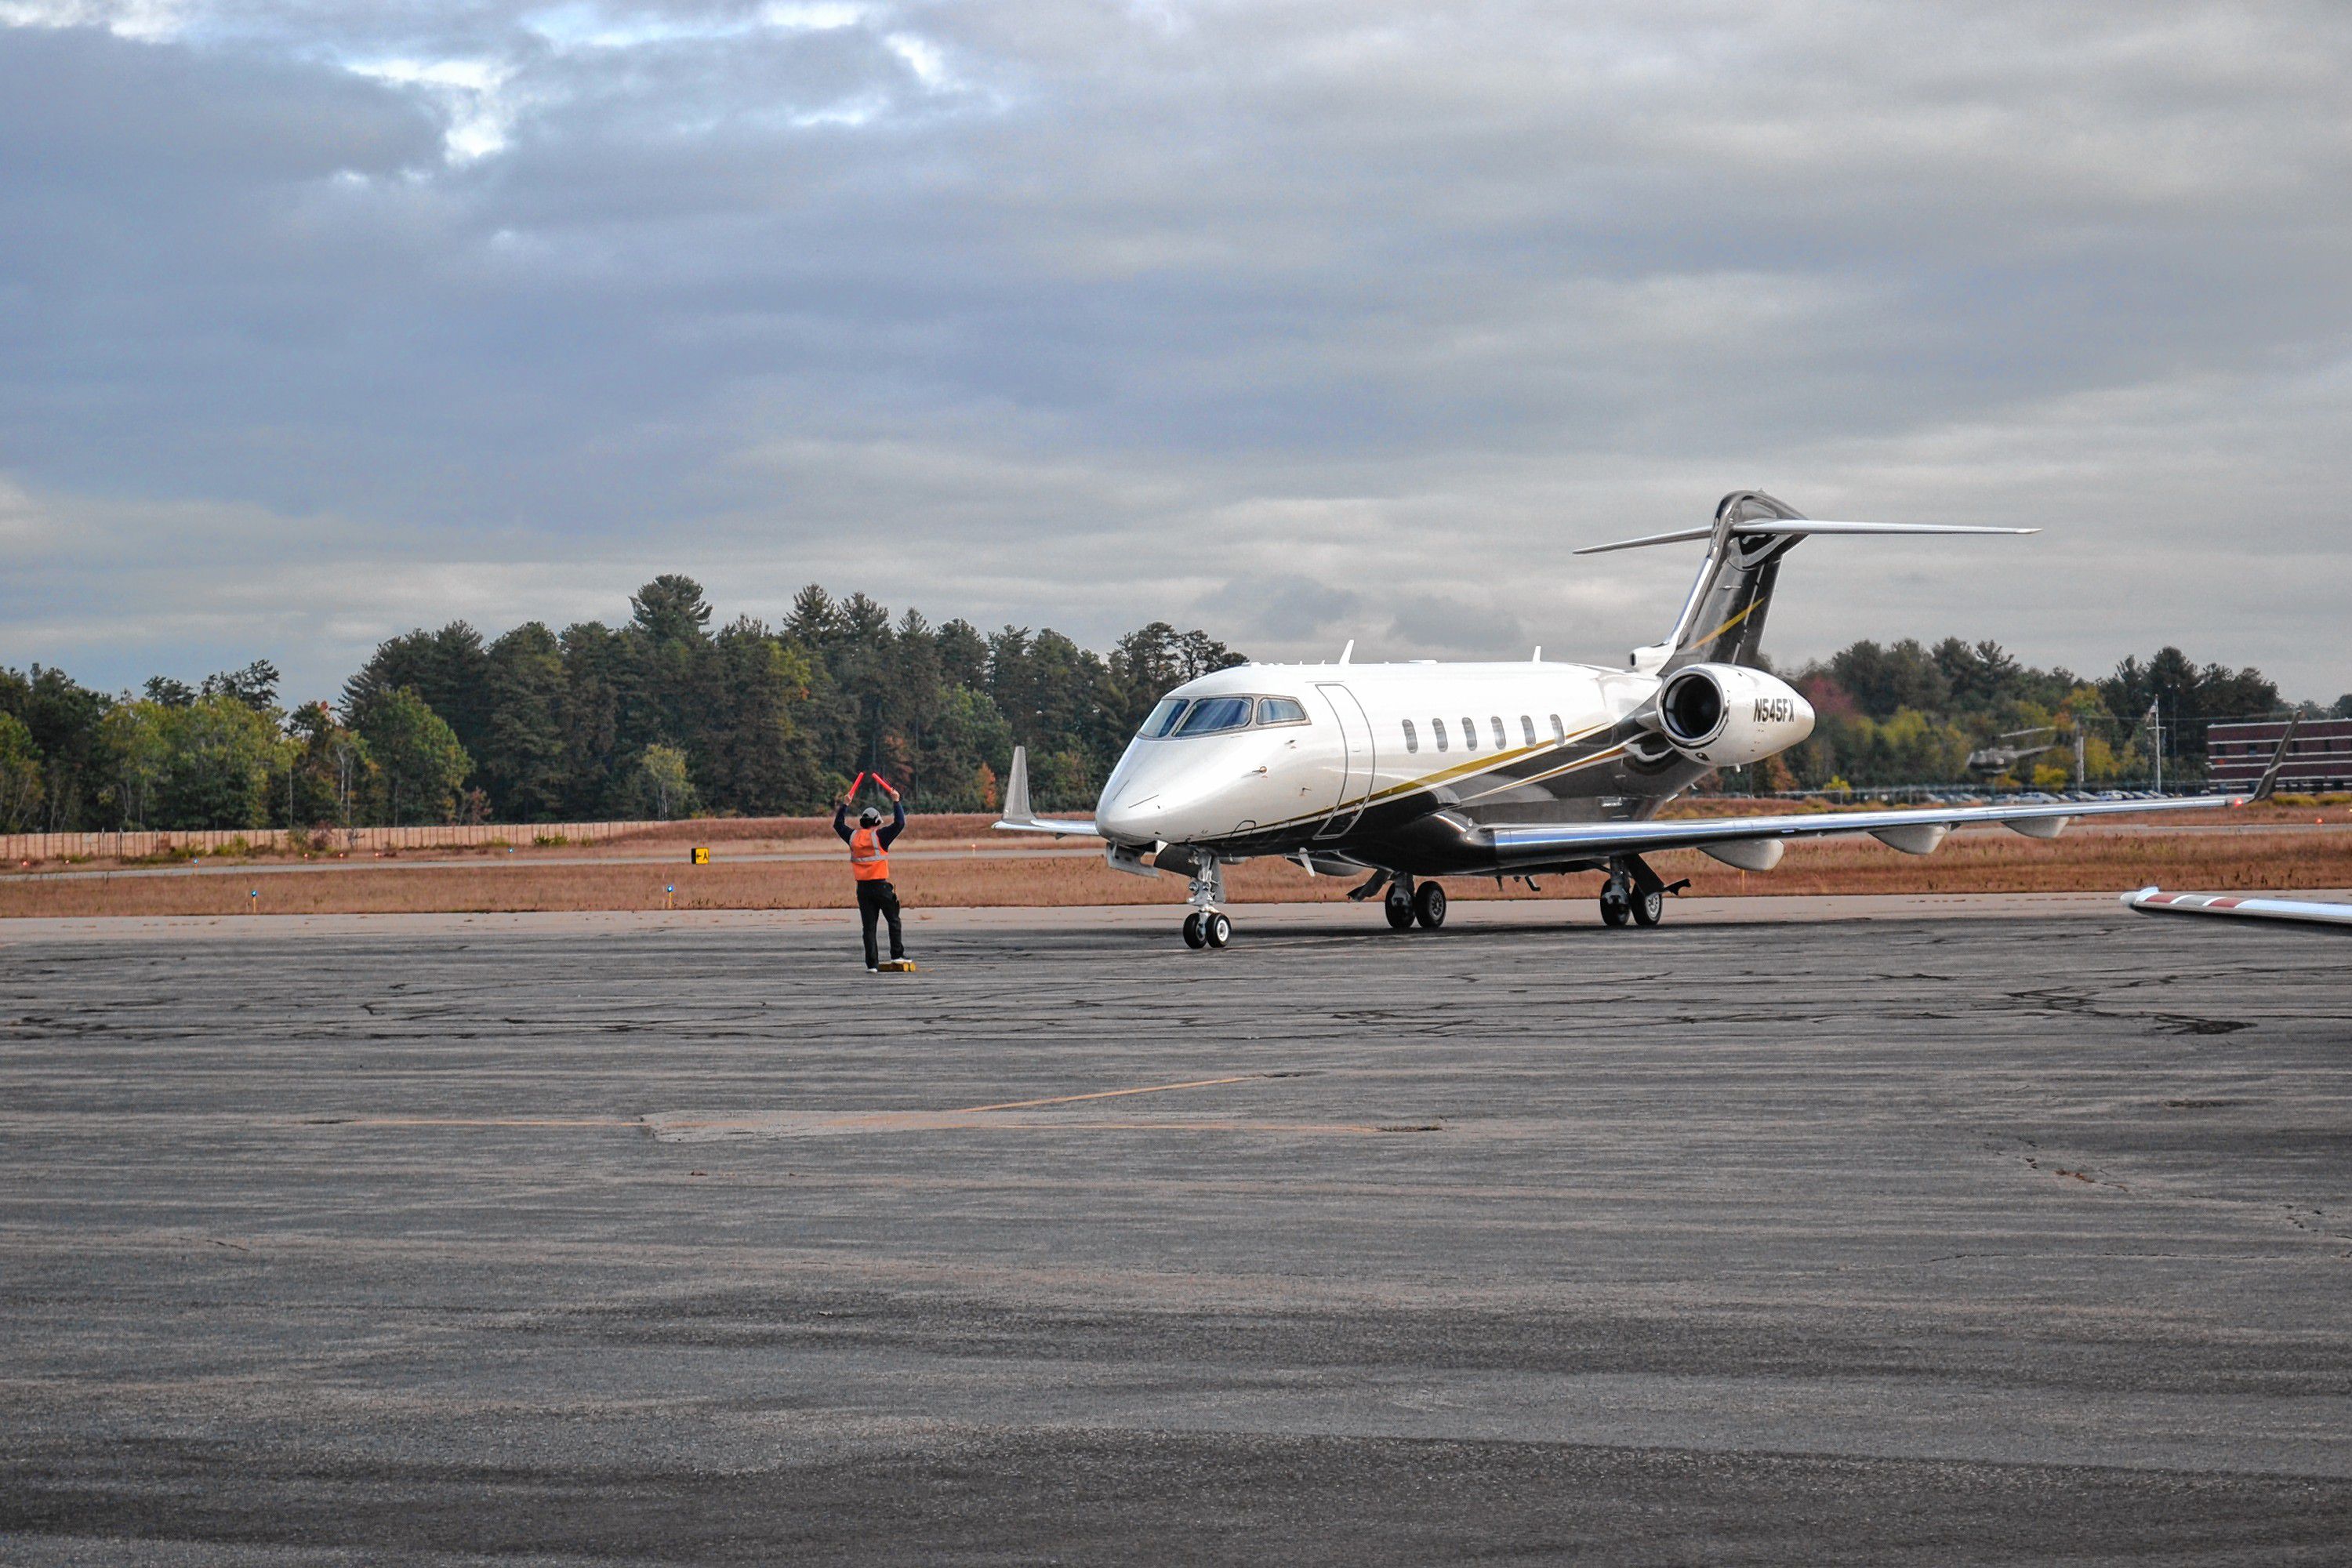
878,898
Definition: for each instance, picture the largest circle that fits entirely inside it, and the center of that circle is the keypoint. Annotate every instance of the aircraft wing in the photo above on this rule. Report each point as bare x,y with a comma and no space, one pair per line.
1916,831
1016,816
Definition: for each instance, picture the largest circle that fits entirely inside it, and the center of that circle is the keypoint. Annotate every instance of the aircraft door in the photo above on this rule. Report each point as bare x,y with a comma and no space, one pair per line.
1356,769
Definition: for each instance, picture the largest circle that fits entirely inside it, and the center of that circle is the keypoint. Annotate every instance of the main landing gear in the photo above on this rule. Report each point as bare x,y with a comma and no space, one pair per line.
1207,925
1621,904
1634,894
1409,904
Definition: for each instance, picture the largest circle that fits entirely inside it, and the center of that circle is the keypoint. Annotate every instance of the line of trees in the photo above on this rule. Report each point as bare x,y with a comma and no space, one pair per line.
1908,713
661,716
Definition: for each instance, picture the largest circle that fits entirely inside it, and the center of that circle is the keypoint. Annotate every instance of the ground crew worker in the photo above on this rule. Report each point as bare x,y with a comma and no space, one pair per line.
869,863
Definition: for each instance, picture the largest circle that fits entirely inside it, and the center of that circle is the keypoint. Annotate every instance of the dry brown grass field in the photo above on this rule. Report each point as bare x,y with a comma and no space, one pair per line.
2279,848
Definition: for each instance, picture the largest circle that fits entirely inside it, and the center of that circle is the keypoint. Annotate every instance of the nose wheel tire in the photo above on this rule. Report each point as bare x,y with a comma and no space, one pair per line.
1429,906
1398,907
1207,928
1649,907
1616,909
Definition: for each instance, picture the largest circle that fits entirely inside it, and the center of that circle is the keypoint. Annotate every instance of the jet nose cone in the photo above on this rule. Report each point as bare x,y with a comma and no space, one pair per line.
1129,821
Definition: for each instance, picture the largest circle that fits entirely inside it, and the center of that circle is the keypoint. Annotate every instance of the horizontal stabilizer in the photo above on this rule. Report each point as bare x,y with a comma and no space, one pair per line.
1795,526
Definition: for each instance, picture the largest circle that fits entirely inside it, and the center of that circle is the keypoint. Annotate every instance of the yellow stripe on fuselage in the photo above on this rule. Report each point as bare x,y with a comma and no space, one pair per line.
1458,771
1725,627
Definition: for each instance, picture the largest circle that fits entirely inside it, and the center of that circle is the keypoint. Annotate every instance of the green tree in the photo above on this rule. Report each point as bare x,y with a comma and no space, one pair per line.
62,716
756,759
670,608
965,750
662,776
20,776
2190,698
136,737
590,716
256,685
449,669
329,767
223,754
963,654
421,761
522,759
1884,679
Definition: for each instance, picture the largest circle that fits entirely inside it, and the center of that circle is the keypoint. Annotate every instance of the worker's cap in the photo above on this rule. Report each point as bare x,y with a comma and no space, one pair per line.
869,817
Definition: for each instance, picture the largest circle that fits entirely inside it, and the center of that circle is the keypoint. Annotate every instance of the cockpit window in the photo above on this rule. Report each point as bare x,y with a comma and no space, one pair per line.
1280,711
1163,718
1212,714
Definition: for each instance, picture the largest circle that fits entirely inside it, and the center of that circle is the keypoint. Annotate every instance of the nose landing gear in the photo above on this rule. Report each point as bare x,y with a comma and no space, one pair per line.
1207,925
1398,905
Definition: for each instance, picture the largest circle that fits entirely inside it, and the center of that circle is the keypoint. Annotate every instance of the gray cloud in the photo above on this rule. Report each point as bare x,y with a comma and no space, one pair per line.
1337,320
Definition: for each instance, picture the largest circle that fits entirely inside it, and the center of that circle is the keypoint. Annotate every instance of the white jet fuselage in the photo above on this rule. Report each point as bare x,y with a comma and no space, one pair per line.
1381,746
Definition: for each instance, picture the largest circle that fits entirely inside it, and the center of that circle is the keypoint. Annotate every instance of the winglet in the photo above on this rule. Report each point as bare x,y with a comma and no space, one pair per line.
1017,818
2269,787
1016,787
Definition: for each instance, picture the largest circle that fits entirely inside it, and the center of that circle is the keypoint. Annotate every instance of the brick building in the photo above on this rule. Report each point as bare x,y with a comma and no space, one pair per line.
2320,759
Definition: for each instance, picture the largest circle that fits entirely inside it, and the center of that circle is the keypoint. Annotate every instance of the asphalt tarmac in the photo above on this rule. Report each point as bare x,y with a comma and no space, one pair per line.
1903,1240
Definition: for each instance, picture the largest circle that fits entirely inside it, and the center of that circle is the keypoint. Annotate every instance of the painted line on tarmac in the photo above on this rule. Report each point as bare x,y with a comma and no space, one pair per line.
1109,1094
841,1119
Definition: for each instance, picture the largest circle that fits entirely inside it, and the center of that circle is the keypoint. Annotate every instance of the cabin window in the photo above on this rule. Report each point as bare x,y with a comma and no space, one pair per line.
1469,734
1280,711
1528,728
1163,719
1412,741
1438,726
1501,739
1212,714
1558,729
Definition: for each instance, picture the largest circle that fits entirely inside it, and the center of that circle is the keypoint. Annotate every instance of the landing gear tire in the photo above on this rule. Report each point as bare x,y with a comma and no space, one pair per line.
1398,907
1429,906
1217,929
1616,909
1650,908
1196,932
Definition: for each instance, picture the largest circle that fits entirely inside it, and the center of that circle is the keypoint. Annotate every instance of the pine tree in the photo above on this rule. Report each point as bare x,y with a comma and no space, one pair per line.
521,763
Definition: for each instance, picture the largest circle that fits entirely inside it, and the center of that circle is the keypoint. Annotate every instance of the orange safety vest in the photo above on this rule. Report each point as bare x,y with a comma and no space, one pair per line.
867,863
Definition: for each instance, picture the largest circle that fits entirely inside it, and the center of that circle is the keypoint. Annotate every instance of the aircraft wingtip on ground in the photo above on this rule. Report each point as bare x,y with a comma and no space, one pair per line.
2153,901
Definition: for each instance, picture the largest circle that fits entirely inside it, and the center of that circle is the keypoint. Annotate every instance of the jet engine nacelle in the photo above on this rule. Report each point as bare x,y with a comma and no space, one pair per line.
1726,714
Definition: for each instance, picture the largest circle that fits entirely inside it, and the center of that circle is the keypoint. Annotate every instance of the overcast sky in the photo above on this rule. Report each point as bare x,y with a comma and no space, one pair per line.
1299,321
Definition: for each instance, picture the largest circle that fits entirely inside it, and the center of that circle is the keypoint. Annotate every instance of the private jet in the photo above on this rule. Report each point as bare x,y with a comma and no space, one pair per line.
1405,774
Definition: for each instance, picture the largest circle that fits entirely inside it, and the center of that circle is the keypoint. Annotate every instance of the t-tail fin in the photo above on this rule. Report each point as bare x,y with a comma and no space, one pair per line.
1722,620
